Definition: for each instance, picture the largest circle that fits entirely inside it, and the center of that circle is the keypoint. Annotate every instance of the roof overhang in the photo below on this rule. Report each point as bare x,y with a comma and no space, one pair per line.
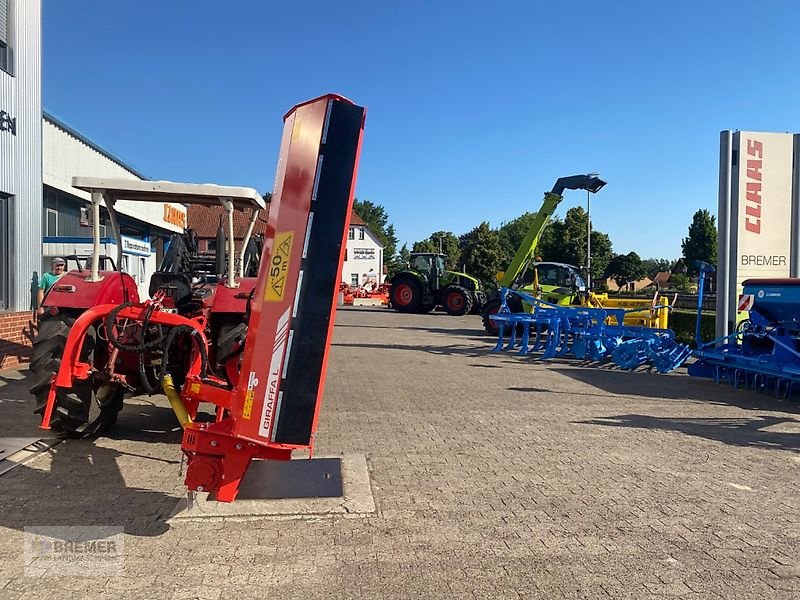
207,194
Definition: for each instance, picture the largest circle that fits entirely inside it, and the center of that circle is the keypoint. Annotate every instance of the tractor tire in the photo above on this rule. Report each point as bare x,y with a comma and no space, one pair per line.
490,308
456,301
406,294
78,412
493,306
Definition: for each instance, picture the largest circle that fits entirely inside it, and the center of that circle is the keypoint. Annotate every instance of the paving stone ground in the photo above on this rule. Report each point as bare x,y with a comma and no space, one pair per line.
494,477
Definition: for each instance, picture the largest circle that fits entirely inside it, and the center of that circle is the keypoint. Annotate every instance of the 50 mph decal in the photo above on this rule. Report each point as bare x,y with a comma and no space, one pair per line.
279,267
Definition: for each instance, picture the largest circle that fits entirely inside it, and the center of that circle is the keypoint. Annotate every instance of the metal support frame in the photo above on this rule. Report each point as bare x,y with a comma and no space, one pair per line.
724,271
97,198
112,215
230,280
250,226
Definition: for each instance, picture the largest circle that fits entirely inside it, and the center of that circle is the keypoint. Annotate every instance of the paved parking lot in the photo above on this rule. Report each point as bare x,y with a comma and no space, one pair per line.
494,476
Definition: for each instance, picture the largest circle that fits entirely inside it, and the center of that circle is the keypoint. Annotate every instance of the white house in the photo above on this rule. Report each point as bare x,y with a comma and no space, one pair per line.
363,258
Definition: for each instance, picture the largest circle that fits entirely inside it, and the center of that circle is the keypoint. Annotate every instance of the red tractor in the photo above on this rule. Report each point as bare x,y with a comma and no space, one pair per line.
256,349
129,355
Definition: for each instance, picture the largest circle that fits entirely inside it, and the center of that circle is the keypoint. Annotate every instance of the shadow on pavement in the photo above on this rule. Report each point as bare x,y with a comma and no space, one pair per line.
735,432
83,487
675,387
441,350
84,484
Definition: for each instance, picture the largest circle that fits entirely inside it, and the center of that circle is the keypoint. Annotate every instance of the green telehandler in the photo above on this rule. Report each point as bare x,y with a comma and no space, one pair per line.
556,283
426,284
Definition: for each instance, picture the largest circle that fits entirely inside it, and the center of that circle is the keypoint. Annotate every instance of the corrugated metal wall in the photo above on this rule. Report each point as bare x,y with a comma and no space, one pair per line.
21,154
3,20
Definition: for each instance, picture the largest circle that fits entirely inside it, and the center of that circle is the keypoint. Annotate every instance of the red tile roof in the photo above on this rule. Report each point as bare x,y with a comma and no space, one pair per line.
205,220
662,277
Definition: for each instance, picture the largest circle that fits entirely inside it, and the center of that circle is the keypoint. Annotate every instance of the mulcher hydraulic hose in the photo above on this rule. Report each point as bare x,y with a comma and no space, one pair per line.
165,341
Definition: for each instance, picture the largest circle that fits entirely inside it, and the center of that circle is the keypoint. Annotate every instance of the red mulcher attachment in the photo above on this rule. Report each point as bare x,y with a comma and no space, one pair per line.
271,407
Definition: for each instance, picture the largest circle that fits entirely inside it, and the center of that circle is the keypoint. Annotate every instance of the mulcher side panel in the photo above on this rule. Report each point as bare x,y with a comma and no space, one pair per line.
301,395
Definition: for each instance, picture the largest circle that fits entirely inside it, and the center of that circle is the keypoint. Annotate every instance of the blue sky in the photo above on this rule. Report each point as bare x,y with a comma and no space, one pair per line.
474,108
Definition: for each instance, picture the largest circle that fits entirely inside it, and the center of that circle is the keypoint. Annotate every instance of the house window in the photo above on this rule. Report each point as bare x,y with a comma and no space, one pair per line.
351,234
354,279
103,231
361,233
142,269
211,246
4,27
125,263
51,228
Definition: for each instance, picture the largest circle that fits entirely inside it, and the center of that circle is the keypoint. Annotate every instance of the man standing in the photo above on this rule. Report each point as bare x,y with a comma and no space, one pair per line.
57,268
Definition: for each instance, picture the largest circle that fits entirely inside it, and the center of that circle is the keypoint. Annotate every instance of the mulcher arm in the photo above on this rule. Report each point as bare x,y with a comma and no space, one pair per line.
552,199
272,409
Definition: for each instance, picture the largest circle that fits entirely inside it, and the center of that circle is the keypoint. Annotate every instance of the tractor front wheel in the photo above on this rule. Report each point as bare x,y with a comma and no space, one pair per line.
406,294
456,301
81,411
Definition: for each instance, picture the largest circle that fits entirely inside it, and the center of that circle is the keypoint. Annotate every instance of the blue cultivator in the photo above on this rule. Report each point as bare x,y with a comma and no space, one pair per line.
763,354
586,333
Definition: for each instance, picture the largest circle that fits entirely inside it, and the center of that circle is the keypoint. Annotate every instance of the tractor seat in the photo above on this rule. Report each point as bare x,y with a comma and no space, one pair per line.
177,286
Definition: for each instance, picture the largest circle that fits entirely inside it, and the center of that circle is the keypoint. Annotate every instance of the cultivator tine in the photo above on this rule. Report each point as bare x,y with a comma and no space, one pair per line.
512,342
526,334
500,332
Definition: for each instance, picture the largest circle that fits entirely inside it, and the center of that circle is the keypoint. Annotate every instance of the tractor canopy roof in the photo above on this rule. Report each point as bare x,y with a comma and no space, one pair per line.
169,191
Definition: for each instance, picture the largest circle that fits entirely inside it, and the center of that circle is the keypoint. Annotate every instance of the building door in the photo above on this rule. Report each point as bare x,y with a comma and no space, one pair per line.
5,252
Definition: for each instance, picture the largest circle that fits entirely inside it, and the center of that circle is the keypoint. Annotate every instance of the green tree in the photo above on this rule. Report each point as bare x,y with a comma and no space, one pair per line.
657,265
404,257
482,253
625,268
701,243
565,241
513,232
448,243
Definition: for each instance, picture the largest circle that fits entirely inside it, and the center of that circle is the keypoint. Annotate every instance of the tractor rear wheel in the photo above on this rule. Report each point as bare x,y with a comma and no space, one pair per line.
80,411
406,294
456,300
490,308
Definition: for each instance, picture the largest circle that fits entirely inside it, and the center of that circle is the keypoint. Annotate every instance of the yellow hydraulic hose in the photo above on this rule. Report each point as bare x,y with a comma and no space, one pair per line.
175,401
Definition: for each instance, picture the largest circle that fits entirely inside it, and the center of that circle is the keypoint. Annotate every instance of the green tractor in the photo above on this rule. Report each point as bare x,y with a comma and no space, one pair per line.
426,284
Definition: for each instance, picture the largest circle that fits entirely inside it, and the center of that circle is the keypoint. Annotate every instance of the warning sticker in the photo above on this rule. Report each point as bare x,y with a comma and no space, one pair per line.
247,410
746,302
279,267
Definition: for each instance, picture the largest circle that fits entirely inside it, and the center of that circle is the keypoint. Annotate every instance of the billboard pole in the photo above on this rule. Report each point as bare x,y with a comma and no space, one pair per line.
794,261
724,231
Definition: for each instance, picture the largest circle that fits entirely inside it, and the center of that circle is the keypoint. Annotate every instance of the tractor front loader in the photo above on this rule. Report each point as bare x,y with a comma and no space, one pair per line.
256,349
